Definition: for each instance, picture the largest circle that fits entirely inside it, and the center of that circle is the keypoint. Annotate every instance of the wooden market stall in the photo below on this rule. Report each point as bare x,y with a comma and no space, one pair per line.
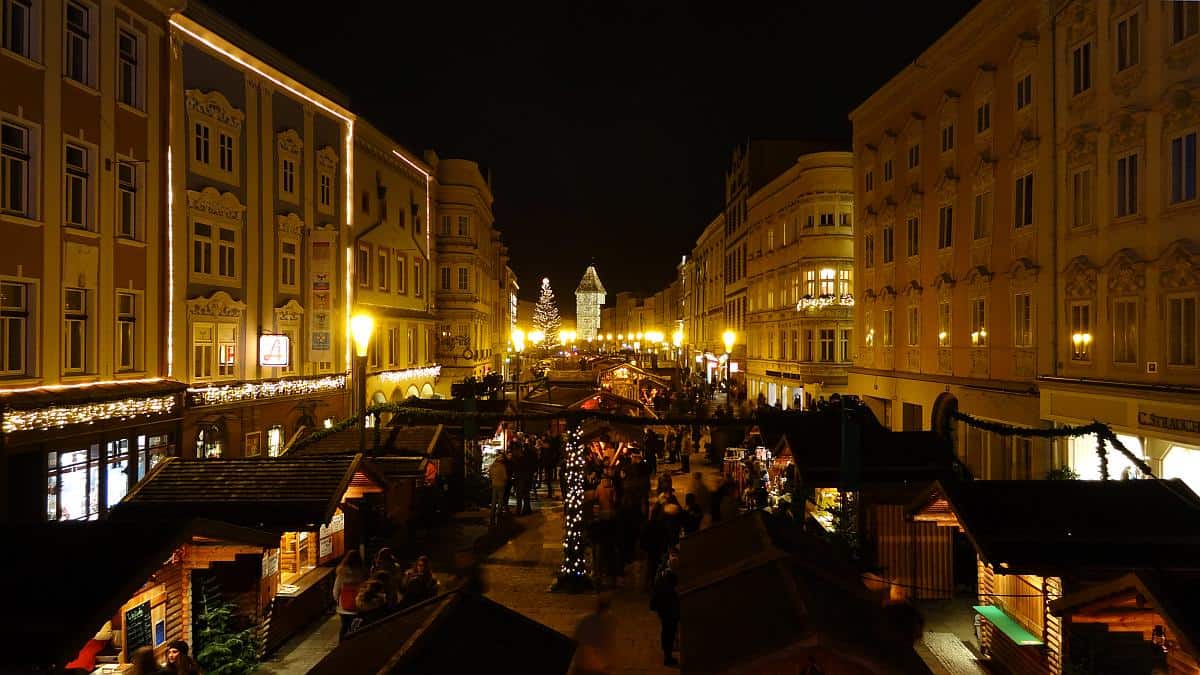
315,505
1037,541
90,593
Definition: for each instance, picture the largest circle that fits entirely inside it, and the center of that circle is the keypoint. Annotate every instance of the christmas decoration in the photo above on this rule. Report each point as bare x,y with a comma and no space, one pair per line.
226,643
573,574
545,316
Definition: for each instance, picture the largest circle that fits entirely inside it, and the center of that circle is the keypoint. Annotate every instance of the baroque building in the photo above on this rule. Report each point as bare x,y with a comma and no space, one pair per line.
589,298
799,323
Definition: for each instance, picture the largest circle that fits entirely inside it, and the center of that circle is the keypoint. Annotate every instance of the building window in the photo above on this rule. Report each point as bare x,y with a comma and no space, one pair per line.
412,345
77,43
914,156
202,250
948,137
1185,20
402,275
869,332
889,251
983,117
945,227
869,181
887,173
75,330
808,223
75,479
274,440
200,147
418,279
982,216
17,22
1023,320
1127,185
445,278
1125,331
979,334
126,331
810,283
1128,42
1024,91
1081,73
385,265
209,442
463,279
888,332
214,351
289,257
127,202
14,318
227,253
827,280
325,191
464,226
1023,201
826,335
393,350
869,251
913,239
1081,331
826,220
14,170
75,207
444,228
362,266
128,68
1181,331
810,347
1081,198
944,331
845,219
844,286
914,326
288,176
846,335
1183,168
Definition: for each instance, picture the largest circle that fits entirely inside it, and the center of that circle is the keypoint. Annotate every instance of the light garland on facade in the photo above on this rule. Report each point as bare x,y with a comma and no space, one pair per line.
808,302
575,561
59,416
253,391
410,374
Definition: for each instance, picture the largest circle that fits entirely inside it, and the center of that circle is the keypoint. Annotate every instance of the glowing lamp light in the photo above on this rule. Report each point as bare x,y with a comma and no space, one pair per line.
518,340
729,338
620,337
942,336
536,337
608,337
639,335
361,327
677,338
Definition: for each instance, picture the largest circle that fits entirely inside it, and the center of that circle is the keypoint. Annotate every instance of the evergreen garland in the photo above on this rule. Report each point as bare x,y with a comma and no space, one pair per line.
221,647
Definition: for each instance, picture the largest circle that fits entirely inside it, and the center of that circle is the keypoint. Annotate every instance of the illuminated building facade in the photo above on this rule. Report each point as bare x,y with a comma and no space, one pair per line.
83,136
589,298
393,258
800,278
262,222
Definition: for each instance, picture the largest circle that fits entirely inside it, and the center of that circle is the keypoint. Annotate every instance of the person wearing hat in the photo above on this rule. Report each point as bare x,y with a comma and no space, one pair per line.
178,660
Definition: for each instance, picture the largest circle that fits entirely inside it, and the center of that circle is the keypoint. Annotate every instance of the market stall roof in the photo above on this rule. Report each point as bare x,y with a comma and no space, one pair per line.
454,405
636,370
397,468
1173,597
289,493
65,580
429,440
1050,527
791,598
456,632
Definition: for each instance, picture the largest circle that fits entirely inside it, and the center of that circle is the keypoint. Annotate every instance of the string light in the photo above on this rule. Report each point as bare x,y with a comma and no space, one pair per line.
410,374
58,416
574,567
252,391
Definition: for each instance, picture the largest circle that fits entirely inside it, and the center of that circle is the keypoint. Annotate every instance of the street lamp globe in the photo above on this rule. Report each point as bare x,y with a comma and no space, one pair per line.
729,338
361,327
518,340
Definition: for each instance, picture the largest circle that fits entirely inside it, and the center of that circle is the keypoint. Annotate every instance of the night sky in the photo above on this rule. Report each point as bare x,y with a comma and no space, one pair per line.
607,126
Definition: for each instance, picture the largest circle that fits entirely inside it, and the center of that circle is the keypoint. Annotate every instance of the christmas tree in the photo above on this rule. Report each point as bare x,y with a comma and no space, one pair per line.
226,643
545,315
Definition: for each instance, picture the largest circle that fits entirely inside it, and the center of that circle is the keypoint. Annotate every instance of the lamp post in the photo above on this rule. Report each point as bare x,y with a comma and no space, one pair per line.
518,341
729,338
361,328
677,340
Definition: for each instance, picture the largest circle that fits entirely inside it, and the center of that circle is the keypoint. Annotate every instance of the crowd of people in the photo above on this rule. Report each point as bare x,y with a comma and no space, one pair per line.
364,595
532,461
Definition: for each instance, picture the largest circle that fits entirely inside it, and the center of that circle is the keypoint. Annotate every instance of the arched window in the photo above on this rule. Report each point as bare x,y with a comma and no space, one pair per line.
210,441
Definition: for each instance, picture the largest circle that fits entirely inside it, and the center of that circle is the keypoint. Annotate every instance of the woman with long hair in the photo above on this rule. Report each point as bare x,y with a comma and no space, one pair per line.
350,575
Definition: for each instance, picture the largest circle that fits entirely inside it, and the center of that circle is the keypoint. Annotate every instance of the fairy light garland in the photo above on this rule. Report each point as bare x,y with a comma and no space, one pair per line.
411,374
574,571
253,391
59,416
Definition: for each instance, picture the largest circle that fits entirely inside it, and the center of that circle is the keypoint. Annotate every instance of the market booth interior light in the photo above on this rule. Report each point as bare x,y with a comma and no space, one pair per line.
361,327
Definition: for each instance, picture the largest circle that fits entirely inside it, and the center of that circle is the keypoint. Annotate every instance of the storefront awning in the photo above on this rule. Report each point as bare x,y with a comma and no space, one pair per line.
1007,625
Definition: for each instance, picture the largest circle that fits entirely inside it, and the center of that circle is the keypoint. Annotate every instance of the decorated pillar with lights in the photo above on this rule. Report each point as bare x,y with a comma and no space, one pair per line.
574,574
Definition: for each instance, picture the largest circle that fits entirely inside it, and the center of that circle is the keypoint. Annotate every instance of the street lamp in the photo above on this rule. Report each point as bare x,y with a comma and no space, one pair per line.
518,341
677,340
729,337
361,328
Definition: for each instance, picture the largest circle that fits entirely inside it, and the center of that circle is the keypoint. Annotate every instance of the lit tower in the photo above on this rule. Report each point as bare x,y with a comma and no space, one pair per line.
589,296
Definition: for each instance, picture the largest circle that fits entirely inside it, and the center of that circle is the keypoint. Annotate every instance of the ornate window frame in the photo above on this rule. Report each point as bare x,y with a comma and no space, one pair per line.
290,229
288,165
289,320
327,163
214,111
221,210
224,317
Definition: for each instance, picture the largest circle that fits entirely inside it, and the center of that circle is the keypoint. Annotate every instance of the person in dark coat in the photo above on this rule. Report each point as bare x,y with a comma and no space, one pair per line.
664,600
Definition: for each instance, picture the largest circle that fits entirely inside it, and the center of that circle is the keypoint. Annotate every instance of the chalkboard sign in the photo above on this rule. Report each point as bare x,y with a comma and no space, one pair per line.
138,630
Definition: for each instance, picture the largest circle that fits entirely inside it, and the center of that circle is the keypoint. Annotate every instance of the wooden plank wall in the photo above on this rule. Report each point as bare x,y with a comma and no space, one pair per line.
919,556
1052,633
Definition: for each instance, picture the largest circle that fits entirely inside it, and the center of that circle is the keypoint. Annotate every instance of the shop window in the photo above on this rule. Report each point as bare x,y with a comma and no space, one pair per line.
210,442
1184,464
1081,452
274,440
151,451
73,484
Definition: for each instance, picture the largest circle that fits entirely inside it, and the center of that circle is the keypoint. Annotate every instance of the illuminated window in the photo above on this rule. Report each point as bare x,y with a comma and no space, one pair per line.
78,481
14,319
1081,331
210,441
1023,320
827,281
944,330
75,330
214,351
979,333
274,440
127,353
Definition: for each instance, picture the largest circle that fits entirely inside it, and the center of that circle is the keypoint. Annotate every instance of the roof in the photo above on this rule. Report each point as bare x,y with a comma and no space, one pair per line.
790,593
1055,526
430,440
397,468
288,493
769,157
37,397
590,283
1175,596
82,572
456,632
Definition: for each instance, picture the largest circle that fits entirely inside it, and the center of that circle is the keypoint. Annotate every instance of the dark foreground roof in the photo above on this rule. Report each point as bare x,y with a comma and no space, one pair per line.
1052,526
275,493
428,440
457,632
64,580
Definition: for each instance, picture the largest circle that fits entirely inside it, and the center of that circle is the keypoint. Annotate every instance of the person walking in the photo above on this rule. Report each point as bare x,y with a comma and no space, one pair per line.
498,473
596,637
664,600
350,575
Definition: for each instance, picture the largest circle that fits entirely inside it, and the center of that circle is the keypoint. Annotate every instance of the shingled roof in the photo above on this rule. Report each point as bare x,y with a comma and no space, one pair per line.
282,494
590,283
424,440
65,580
1052,527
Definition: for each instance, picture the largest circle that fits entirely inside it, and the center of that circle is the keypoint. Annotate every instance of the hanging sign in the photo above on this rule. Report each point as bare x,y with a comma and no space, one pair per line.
274,350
